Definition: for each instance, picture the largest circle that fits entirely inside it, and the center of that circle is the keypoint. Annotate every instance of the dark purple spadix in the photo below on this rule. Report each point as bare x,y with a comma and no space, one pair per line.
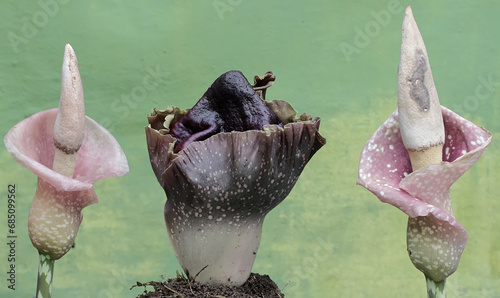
240,157
230,104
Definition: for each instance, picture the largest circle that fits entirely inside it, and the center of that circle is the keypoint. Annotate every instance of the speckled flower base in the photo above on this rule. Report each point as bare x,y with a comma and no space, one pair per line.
55,217
435,238
219,190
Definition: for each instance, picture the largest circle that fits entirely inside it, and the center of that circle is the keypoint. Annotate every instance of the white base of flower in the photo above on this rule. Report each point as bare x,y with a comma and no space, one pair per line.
217,252
53,226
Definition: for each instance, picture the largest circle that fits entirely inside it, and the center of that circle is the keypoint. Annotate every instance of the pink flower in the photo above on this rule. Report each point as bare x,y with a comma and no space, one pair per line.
436,239
55,213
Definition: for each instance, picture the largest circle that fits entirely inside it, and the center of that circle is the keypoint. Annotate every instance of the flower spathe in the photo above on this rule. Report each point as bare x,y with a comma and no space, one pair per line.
435,238
219,190
55,213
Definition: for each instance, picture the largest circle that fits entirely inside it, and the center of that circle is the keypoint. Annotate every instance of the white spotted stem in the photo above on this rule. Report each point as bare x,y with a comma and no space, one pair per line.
435,289
45,275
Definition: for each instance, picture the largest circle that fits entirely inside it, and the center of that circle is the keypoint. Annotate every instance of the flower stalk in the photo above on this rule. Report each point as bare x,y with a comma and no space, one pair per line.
435,289
45,276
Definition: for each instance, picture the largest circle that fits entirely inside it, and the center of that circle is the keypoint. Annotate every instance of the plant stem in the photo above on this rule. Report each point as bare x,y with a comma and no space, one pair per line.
45,274
435,289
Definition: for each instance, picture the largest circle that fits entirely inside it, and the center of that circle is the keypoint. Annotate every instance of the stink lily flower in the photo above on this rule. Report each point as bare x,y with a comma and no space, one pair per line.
412,160
224,164
68,152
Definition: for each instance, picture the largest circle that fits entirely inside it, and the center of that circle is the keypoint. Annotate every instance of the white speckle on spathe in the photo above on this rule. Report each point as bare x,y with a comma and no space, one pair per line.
388,165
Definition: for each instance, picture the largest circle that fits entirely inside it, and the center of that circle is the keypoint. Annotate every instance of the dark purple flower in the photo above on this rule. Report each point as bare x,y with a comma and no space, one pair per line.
221,183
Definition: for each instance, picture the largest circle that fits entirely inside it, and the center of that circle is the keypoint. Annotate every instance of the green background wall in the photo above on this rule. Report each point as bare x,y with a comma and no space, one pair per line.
333,59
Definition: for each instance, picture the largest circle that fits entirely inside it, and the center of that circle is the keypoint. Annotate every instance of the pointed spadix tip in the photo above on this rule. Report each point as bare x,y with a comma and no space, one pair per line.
69,126
70,63
69,48
420,117
410,27
408,11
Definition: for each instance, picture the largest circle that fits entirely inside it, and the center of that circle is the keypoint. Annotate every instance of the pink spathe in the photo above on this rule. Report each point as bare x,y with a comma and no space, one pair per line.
55,214
385,170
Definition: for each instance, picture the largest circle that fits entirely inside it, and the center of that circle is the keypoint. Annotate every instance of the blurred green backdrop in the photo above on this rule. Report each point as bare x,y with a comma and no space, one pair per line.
337,60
